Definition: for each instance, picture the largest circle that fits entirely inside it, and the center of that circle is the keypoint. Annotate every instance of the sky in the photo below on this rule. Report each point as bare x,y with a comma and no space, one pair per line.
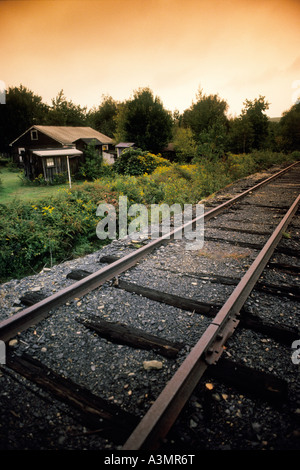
236,49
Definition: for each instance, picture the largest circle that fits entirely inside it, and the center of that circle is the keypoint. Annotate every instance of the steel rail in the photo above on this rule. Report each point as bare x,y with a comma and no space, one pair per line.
35,313
163,413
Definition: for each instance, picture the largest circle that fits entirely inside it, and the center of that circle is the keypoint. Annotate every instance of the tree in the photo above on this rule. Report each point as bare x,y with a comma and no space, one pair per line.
144,121
241,135
254,112
274,139
22,110
204,114
289,128
103,119
92,167
212,143
184,144
65,113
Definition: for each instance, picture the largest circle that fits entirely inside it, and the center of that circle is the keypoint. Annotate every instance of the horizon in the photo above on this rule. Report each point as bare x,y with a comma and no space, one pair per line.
98,104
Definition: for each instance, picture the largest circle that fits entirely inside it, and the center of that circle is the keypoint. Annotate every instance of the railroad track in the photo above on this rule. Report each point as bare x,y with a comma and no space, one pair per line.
139,351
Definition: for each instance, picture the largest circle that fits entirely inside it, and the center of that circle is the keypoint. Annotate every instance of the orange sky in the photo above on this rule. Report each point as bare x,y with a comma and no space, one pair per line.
238,49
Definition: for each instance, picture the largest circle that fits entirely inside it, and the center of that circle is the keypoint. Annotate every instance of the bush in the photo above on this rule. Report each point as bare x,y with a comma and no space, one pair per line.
136,162
151,191
127,186
4,160
295,155
265,159
91,168
214,174
174,171
239,166
49,231
59,178
13,167
211,176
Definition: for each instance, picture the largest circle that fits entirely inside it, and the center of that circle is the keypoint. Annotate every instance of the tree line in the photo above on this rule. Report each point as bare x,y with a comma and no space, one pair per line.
203,129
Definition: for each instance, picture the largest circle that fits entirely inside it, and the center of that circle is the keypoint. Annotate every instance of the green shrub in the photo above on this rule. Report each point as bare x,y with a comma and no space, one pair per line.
295,155
136,162
13,167
239,166
59,178
214,174
91,168
127,186
176,183
265,158
4,160
47,232
211,176
151,191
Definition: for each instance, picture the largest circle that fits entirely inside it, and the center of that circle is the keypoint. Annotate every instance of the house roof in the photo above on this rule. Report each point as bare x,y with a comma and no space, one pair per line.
125,144
170,147
66,135
56,152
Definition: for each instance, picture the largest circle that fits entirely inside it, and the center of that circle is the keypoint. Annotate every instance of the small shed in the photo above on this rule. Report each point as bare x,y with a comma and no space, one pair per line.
106,150
169,152
124,146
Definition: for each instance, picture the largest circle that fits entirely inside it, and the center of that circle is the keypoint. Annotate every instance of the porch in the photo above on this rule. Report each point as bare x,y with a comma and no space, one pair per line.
58,161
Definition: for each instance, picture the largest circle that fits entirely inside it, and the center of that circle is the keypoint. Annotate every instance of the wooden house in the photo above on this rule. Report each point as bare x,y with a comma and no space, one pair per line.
52,150
106,150
124,146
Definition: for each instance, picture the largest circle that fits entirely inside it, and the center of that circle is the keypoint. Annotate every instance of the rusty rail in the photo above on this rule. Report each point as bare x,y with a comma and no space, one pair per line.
165,410
33,314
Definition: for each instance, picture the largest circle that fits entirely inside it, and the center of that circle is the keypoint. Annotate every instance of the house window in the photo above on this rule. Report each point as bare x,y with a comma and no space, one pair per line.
34,135
49,162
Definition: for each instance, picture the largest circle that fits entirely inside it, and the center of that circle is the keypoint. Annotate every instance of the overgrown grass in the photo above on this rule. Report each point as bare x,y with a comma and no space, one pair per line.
42,226
12,188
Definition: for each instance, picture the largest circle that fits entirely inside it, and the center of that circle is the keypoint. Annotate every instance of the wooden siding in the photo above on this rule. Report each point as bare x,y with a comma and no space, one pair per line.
43,141
59,167
34,166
